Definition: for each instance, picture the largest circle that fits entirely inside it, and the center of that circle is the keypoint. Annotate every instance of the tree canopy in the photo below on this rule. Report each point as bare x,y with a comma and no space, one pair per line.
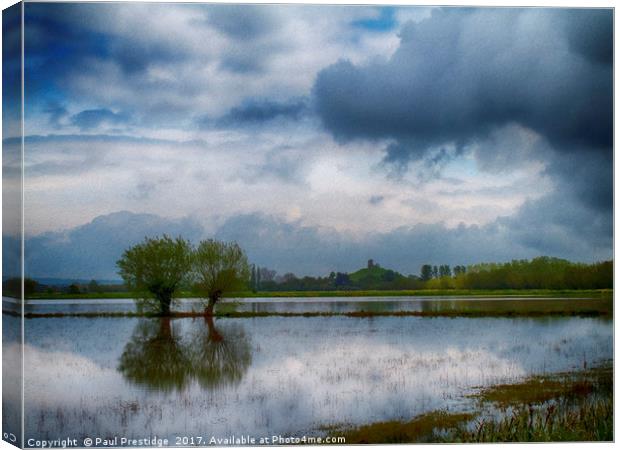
219,267
155,269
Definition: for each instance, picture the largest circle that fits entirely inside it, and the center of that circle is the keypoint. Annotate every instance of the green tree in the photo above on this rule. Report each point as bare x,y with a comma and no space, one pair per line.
459,270
155,269
253,278
342,279
219,267
444,271
93,286
426,273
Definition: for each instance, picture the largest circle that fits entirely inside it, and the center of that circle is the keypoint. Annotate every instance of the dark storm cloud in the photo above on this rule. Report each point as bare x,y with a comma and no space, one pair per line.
58,38
72,39
11,61
557,225
92,118
585,177
62,34
464,72
589,34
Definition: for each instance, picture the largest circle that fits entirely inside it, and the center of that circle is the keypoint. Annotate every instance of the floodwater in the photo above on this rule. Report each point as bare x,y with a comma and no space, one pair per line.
291,376
301,305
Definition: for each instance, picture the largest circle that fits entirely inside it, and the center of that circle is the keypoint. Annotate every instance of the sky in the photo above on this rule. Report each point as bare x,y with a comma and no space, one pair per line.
315,136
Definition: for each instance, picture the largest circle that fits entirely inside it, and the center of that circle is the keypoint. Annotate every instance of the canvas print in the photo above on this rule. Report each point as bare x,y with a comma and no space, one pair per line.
232,224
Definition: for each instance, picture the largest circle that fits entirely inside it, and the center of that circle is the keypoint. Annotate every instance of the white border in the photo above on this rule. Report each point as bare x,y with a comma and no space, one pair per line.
523,3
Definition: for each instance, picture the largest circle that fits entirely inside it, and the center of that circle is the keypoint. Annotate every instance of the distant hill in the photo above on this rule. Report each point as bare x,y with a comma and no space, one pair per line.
375,276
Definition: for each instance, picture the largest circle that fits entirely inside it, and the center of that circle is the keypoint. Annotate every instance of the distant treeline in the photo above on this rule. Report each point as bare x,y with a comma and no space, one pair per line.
539,273
12,287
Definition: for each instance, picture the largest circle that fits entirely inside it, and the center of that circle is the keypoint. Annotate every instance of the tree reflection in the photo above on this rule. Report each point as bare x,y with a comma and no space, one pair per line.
219,356
160,358
155,356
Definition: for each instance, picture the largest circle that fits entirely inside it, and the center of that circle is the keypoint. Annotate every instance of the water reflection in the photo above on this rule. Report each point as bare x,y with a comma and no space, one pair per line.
219,356
156,357
269,375
329,304
161,357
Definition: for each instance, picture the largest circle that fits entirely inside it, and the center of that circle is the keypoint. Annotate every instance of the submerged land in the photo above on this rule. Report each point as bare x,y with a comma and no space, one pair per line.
530,307
571,406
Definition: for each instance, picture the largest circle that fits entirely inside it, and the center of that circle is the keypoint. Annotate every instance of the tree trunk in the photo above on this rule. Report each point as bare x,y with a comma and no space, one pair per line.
165,299
210,306
213,298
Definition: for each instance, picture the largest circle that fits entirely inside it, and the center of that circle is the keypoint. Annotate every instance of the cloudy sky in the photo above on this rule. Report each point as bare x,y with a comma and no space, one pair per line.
316,136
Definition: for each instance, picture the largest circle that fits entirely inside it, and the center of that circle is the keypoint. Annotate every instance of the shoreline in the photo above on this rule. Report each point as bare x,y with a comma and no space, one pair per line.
473,293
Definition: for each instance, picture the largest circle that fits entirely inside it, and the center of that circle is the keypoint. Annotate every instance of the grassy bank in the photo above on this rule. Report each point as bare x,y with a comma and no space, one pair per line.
369,293
563,407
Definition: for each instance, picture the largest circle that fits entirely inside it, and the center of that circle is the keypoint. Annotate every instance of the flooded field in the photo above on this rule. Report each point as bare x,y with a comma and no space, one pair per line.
333,305
265,376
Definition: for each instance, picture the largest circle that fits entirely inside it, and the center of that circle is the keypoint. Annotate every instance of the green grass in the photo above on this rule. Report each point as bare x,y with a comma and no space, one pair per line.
587,420
421,429
575,406
563,407
542,388
360,293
